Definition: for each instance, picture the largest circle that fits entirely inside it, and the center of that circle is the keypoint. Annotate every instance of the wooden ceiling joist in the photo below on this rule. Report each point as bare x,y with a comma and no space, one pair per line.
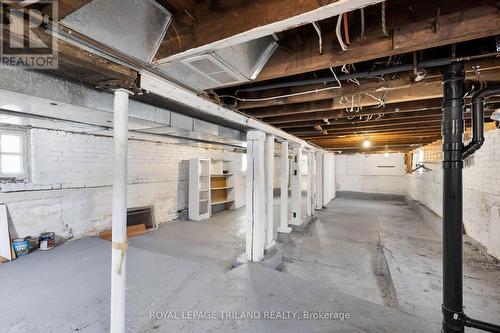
303,110
474,23
336,134
396,125
416,92
489,71
223,23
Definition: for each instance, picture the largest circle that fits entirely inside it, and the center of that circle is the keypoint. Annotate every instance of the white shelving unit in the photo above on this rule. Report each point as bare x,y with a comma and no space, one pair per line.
221,185
199,189
211,187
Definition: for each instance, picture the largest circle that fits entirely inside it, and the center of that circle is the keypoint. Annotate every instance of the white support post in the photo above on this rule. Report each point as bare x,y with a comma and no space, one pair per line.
255,198
319,180
269,164
310,171
296,186
119,217
313,182
284,228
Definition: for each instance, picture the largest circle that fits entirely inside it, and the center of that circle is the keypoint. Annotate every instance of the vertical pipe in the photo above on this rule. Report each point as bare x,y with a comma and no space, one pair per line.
119,217
284,167
452,131
269,192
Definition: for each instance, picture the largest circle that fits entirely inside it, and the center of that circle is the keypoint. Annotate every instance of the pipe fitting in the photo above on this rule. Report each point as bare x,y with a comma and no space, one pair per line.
478,120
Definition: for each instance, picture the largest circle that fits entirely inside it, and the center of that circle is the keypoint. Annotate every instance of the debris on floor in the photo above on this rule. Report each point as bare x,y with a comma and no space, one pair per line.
133,230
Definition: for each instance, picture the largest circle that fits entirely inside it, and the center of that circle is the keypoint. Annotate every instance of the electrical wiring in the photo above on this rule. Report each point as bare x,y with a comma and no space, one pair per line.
339,35
346,71
382,103
318,31
287,95
346,30
384,27
362,35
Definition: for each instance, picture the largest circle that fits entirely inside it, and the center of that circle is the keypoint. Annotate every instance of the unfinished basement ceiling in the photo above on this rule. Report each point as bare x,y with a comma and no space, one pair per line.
277,66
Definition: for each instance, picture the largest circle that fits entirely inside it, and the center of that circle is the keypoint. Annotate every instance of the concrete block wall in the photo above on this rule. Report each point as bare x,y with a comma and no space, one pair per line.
69,190
481,189
371,173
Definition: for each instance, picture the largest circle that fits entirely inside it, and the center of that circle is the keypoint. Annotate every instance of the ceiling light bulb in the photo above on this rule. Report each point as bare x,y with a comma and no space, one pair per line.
386,154
366,143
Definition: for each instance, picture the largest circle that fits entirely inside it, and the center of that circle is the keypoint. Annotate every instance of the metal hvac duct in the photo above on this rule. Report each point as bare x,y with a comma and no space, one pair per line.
135,28
221,67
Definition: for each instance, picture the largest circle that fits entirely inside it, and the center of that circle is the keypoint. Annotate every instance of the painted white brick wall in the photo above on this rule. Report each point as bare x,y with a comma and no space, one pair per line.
71,177
374,173
481,181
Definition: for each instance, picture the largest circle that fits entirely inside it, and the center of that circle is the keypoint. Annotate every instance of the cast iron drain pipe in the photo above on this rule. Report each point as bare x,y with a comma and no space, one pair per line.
454,319
478,120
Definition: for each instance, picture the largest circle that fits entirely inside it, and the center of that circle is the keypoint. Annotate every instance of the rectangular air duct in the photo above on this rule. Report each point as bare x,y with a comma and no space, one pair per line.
222,67
135,28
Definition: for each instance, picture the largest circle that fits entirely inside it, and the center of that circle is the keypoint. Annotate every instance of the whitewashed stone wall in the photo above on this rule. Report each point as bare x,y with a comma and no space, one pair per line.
69,190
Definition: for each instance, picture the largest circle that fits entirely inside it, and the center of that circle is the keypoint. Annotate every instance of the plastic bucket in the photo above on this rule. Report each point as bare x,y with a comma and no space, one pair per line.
21,246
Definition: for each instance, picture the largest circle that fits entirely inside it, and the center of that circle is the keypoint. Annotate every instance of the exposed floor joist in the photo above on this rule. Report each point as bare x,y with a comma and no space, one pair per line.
227,22
456,27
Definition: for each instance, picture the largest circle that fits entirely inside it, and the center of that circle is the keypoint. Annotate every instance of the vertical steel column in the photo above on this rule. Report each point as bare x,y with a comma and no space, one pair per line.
119,216
452,131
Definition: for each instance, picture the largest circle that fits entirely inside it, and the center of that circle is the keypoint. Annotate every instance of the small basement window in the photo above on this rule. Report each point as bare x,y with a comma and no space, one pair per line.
13,154
140,215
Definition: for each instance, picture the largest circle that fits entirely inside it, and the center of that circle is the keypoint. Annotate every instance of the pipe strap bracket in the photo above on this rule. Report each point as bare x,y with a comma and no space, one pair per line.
453,319
123,248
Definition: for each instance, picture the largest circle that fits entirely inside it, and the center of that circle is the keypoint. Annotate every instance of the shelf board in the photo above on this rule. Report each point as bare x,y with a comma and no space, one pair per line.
221,174
222,188
203,189
221,202
203,200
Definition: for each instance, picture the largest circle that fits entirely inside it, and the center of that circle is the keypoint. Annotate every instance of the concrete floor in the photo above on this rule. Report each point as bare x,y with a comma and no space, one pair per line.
185,266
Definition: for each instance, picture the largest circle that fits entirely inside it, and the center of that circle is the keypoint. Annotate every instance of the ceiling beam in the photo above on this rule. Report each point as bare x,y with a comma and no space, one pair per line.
477,22
489,71
362,124
355,121
336,134
392,118
336,117
223,23
78,64
310,131
348,88
380,143
416,91
312,108
362,116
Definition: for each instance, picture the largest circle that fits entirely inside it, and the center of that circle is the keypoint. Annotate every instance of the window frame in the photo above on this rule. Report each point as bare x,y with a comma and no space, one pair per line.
24,136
